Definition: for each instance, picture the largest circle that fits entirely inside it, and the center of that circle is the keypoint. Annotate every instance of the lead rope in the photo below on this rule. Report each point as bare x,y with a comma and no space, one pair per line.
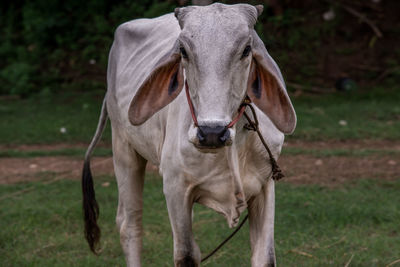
226,239
253,125
276,171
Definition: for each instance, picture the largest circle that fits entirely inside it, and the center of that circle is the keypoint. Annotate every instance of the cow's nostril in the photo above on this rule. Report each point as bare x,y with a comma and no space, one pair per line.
200,135
225,135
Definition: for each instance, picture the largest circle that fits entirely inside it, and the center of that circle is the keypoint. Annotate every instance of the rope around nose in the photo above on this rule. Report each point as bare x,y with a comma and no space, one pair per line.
194,118
276,171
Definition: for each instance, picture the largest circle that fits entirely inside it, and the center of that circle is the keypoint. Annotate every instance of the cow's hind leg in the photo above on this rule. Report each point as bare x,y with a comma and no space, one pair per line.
129,169
180,204
261,218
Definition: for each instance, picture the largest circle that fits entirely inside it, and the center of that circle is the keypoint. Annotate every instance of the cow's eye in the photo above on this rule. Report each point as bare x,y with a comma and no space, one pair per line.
183,52
246,51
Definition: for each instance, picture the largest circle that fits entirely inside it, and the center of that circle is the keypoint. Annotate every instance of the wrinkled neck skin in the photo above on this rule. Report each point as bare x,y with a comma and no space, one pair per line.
223,179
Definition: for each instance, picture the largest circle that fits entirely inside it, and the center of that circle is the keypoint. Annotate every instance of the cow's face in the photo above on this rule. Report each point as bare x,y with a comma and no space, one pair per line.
216,54
221,59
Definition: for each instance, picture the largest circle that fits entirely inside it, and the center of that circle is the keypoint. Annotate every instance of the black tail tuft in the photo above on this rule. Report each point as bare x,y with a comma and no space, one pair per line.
90,208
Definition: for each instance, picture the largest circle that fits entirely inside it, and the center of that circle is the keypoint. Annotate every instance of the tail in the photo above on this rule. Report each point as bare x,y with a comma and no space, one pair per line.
90,206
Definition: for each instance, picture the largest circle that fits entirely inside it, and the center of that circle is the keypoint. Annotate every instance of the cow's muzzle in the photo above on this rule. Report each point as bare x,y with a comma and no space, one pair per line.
213,137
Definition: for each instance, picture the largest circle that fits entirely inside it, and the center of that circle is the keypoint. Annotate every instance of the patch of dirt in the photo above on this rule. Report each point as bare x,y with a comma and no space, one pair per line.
330,171
50,147
346,144
299,169
15,170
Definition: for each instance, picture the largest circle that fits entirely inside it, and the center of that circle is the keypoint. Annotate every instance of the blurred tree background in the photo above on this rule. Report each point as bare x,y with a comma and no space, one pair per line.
48,46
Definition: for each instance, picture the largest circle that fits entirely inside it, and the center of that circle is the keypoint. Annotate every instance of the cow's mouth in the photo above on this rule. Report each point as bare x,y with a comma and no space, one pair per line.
199,146
208,149
211,148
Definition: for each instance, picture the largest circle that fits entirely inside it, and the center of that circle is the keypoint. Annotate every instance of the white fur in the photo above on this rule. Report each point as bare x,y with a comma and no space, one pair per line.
230,179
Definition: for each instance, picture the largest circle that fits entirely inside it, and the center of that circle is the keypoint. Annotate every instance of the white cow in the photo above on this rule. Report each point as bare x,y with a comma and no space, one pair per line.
214,52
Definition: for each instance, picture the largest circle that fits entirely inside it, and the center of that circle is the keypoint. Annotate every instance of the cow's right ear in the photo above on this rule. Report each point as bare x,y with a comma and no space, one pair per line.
163,85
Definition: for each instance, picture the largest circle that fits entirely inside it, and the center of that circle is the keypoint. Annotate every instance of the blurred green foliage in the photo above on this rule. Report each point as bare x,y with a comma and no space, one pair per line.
44,43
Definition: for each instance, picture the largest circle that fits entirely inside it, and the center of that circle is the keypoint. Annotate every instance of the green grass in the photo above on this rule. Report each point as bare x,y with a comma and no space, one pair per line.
41,222
370,114
38,120
43,226
103,152
332,152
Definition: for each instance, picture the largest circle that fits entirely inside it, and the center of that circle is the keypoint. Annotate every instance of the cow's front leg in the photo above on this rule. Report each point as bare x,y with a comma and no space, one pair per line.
129,169
261,218
180,202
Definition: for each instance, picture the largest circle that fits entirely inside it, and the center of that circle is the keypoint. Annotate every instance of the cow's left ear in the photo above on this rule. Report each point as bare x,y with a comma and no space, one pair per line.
266,88
163,85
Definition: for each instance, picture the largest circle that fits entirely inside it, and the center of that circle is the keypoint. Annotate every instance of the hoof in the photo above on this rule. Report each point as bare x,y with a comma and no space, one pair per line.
187,261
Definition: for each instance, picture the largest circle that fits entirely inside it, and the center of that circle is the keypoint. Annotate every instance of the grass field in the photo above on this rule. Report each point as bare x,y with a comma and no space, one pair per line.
372,114
315,226
355,223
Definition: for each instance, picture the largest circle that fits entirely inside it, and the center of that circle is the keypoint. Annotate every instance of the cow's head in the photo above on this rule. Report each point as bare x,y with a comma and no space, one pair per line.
223,60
